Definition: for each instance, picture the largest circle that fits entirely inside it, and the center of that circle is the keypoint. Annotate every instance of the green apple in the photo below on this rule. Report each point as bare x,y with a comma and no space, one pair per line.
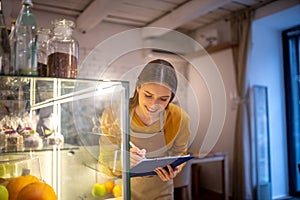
98,190
3,193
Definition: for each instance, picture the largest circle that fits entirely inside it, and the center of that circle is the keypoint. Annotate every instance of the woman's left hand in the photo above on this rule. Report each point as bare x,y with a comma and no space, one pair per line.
166,175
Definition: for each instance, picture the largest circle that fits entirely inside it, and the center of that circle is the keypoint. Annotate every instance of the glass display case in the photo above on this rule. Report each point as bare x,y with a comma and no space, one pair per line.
58,121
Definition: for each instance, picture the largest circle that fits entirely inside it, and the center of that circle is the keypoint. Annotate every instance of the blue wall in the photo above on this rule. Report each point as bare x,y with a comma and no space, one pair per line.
266,68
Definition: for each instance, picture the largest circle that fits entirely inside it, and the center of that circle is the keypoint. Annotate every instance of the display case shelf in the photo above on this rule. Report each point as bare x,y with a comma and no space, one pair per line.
65,147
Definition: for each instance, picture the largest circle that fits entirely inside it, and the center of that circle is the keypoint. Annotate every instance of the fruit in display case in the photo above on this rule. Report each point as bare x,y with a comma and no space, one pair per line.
15,185
29,187
3,193
38,191
117,191
109,185
99,190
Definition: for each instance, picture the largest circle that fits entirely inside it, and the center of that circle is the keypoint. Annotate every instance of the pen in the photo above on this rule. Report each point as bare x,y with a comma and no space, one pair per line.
132,145
140,153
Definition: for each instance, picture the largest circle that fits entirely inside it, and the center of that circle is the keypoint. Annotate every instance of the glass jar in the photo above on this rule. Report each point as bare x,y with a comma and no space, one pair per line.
26,41
62,50
43,37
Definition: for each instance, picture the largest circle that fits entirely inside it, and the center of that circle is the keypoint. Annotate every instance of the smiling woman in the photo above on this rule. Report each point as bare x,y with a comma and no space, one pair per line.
158,128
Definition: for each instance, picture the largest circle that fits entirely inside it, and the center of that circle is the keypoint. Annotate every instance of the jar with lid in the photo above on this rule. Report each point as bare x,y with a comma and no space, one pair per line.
62,50
43,37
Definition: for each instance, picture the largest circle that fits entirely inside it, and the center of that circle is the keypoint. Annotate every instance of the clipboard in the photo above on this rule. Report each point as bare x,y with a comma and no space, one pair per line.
146,166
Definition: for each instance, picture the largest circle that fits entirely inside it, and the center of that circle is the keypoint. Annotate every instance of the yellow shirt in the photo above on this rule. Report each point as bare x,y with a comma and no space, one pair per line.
177,133
176,128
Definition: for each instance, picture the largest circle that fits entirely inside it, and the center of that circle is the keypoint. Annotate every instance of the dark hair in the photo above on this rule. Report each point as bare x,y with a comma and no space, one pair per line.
157,71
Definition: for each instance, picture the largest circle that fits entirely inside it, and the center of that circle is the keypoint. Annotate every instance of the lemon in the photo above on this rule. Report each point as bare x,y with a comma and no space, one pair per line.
3,193
98,190
117,191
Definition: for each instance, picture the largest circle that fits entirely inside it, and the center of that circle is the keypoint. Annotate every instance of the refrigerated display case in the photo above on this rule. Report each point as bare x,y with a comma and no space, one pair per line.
65,114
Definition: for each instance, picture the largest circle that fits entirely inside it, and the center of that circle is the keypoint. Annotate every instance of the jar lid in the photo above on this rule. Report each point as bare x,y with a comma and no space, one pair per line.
63,22
27,2
42,30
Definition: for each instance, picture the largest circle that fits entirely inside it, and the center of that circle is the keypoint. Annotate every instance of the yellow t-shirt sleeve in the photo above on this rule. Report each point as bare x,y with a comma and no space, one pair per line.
177,130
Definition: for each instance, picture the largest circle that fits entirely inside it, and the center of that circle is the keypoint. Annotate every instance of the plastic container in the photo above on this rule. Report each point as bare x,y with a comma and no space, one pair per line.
14,165
62,50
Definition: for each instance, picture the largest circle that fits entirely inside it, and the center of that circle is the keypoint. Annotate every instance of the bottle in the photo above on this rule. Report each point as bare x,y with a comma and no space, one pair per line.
26,41
4,45
12,42
62,50
43,37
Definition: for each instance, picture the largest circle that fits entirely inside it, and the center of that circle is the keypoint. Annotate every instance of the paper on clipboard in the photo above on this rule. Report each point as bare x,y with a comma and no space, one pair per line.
146,166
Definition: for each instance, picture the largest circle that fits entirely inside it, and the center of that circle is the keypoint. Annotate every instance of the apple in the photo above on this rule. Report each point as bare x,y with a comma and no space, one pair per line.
98,190
3,193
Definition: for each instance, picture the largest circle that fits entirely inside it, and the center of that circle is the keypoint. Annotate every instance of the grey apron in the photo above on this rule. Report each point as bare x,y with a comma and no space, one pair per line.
151,187
154,143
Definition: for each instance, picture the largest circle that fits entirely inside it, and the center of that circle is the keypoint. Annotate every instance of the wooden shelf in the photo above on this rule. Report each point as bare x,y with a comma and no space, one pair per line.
212,49
220,47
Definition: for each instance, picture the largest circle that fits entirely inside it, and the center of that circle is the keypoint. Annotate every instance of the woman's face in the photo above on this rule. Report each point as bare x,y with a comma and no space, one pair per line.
153,98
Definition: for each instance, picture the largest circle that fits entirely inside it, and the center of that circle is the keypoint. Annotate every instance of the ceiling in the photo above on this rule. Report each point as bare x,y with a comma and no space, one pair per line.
181,15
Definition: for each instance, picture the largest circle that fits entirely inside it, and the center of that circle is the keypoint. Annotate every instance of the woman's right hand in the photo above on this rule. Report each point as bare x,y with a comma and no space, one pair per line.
136,155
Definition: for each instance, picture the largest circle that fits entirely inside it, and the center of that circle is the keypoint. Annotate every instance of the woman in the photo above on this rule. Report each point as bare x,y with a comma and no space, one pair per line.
158,128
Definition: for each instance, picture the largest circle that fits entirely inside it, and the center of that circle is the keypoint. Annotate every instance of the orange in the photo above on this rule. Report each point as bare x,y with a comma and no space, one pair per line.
15,185
37,191
109,186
